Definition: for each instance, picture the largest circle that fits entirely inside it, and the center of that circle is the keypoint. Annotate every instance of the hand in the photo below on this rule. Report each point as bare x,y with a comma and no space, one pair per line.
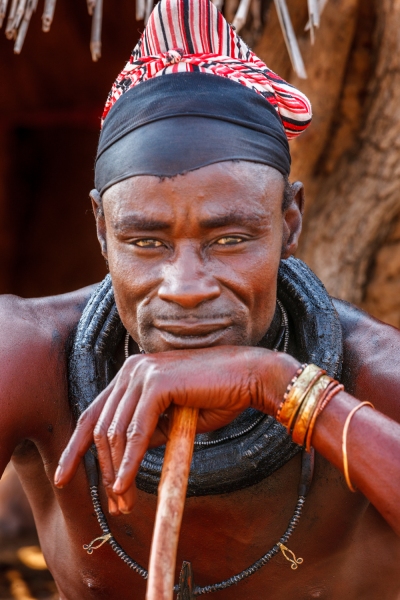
131,414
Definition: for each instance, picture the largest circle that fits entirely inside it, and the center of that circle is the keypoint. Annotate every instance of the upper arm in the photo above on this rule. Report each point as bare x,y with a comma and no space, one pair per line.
371,361
26,374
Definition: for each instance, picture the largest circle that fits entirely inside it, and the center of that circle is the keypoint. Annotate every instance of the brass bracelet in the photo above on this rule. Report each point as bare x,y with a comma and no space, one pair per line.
344,442
330,392
289,387
308,409
297,394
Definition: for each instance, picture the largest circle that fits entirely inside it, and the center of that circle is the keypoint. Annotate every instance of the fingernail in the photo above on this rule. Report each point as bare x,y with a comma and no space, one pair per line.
123,507
112,507
117,487
57,475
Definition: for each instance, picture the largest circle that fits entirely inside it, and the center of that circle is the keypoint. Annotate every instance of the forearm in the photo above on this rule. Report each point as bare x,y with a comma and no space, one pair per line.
222,382
373,440
373,452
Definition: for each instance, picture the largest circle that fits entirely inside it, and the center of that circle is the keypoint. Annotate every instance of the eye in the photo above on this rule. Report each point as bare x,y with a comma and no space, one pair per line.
230,240
148,243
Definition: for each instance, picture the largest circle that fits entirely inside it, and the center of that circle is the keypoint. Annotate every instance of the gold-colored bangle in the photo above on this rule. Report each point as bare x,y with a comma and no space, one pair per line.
344,442
297,393
307,409
330,392
289,387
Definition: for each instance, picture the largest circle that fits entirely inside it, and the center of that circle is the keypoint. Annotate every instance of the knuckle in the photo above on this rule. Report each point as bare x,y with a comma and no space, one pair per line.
100,432
108,482
135,431
131,369
133,359
84,419
131,363
113,436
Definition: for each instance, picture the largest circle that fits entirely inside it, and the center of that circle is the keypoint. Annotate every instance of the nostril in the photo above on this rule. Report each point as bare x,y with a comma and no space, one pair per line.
189,295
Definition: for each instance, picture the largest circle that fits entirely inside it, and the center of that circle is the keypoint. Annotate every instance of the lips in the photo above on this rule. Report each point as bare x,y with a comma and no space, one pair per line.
191,327
191,333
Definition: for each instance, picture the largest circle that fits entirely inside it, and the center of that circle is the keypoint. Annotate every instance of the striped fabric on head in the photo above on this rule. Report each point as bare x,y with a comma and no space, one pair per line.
193,36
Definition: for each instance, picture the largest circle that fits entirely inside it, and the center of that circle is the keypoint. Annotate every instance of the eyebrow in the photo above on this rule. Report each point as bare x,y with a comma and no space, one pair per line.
234,217
140,223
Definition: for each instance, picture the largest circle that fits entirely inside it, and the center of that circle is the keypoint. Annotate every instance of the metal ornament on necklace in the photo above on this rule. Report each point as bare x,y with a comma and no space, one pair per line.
186,589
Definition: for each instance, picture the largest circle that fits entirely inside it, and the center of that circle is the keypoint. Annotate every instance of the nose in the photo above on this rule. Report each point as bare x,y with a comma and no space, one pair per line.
186,281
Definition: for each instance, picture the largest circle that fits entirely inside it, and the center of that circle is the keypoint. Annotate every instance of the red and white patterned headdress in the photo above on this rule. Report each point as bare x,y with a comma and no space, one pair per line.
193,36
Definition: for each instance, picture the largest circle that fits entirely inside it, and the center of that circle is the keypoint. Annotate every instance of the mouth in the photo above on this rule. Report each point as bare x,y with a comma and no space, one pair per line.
192,333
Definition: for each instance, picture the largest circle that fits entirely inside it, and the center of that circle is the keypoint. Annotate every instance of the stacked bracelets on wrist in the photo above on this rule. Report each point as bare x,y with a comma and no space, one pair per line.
306,396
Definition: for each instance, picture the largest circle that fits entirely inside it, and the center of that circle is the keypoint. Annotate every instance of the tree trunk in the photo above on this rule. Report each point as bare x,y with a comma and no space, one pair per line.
349,159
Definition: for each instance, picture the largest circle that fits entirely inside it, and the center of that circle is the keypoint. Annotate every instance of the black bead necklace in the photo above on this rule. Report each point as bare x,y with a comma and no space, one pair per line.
186,588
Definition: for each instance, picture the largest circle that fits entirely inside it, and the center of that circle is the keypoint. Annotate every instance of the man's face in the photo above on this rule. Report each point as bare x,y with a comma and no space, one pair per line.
194,259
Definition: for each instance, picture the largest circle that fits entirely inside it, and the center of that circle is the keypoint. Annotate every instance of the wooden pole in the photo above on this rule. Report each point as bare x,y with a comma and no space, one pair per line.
95,40
10,20
91,5
3,10
149,8
19,15
48,14
30,9
290,39
140,9
241,15
171,502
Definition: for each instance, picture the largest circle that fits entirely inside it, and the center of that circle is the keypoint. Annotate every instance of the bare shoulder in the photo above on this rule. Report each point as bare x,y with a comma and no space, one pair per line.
34,341
38,323
371,358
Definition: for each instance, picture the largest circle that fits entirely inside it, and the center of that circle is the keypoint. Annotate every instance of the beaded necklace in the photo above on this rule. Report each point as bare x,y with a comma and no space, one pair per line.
186,588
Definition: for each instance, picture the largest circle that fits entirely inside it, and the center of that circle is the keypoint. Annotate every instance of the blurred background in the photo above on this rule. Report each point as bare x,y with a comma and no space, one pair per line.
51,99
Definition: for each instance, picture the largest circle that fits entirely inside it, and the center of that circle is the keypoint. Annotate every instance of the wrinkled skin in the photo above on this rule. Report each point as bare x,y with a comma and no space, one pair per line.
197,294
186,263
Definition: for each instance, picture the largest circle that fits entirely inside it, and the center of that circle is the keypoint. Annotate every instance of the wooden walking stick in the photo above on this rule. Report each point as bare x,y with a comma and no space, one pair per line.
171,502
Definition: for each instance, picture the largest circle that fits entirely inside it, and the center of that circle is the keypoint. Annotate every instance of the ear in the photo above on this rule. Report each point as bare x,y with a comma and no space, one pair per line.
293,220
98,212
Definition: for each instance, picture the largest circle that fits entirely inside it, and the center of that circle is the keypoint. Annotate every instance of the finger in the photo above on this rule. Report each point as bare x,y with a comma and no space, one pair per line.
160,435
126,501
83,434
114,448
122,417
111,410
139,434
80,441
210,420
100,435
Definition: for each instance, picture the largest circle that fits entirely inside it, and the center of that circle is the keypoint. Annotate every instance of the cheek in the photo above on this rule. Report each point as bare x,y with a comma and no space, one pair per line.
133,282
252,276
264,279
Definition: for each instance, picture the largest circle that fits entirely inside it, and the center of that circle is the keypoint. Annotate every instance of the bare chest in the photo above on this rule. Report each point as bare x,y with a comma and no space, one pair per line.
223,535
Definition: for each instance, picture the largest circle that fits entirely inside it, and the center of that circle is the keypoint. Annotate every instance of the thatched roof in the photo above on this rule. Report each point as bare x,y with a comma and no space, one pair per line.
247,16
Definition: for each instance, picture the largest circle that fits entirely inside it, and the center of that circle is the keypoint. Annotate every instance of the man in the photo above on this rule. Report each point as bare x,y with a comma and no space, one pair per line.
197,222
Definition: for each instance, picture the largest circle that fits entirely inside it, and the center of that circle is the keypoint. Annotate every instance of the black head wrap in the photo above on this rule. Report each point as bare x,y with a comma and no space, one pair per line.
180,122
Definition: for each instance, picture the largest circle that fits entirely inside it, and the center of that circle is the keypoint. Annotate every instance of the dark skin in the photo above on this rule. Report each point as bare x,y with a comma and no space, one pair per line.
197,291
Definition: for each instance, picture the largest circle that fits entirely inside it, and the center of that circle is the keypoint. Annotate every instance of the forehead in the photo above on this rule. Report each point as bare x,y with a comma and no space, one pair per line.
245,187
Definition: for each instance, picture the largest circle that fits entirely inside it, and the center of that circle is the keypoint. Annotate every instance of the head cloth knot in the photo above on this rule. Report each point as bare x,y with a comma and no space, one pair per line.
184,36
